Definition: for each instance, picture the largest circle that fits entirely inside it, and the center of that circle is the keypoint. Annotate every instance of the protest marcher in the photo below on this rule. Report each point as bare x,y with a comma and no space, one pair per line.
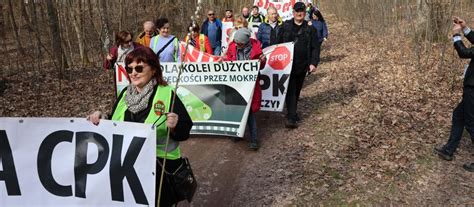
148,99
268,31
320,25
256,16
123,46
241,22
165,45
463,115
229,16
149,31
245,12
305,59
212,28
199,40
245,48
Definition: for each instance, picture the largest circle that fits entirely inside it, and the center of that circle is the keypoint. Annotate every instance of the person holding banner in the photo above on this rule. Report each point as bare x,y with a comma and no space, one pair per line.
245,48
123,46
165,45
198,40
268,31
148,99
306,58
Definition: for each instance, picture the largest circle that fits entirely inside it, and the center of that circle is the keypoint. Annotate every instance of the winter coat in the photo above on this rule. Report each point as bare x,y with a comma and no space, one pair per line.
265,32
466,53
141,38
307,47
321,29
254,55
219,30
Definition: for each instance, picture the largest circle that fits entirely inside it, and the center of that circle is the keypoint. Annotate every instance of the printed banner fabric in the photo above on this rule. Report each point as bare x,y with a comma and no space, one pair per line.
71,162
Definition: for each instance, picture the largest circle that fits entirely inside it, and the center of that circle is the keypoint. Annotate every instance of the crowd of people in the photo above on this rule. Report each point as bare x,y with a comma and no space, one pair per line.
149,99
307,29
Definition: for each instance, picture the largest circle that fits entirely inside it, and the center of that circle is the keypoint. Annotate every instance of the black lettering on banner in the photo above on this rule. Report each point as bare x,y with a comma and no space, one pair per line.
192,68
239,65
217,67
81,168
45,154
279,84
119,171
266,81
174,69
8,174
254,66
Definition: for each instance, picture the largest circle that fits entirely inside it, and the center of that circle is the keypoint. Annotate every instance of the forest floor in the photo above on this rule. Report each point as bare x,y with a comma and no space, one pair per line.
370,121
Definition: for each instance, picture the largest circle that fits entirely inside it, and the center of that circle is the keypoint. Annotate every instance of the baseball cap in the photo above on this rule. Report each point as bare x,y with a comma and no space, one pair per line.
299,6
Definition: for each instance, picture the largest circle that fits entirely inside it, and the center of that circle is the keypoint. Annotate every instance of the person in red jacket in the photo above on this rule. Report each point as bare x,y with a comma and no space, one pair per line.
199,40
123,45
245,48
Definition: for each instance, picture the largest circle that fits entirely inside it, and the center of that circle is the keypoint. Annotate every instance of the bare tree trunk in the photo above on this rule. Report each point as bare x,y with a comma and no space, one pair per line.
59,58
76,16
107,43
15,29
121,10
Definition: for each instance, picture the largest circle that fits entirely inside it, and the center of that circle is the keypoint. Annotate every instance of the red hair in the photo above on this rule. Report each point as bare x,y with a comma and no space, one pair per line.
146,55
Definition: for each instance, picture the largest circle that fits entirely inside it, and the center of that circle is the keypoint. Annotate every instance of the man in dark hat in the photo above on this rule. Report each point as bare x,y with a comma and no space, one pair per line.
305,58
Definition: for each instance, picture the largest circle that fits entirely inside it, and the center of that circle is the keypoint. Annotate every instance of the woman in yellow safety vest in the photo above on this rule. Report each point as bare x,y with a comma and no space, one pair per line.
199,40
148,99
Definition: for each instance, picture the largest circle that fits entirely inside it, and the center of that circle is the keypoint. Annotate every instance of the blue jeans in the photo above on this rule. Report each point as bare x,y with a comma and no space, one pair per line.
463,117
252,125
217,51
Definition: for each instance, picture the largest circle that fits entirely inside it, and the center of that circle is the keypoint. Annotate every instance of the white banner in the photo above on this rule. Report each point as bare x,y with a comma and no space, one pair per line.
284,7
71,162
274,78
216,95
121,77
226,32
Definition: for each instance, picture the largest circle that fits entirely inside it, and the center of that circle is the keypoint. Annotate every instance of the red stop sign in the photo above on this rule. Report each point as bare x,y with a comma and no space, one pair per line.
279,58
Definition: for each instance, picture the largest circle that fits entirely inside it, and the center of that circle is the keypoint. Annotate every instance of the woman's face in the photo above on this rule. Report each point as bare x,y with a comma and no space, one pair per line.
165,30
315,17
128,42
140,74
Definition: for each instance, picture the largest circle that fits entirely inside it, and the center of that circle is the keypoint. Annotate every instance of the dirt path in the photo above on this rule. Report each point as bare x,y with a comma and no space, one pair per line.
370,120
366,138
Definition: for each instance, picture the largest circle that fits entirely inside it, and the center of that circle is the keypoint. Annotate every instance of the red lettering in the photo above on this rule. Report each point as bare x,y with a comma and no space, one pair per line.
122,73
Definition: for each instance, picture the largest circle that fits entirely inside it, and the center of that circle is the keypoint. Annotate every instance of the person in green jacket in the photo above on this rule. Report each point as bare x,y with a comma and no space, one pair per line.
148,99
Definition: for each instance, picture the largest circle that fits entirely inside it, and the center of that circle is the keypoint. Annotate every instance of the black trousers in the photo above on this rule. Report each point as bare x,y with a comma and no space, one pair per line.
168,197
463,117
293,94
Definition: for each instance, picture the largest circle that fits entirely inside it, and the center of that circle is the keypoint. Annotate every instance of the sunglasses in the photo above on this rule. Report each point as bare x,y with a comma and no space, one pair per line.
211,14
138,69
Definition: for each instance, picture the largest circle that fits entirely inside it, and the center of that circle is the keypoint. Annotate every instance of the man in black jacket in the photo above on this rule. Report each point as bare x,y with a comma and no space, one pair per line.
463,115
305,57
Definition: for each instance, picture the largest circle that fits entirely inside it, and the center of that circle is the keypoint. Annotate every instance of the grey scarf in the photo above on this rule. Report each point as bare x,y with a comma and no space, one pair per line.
137,101
123,52
244,53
